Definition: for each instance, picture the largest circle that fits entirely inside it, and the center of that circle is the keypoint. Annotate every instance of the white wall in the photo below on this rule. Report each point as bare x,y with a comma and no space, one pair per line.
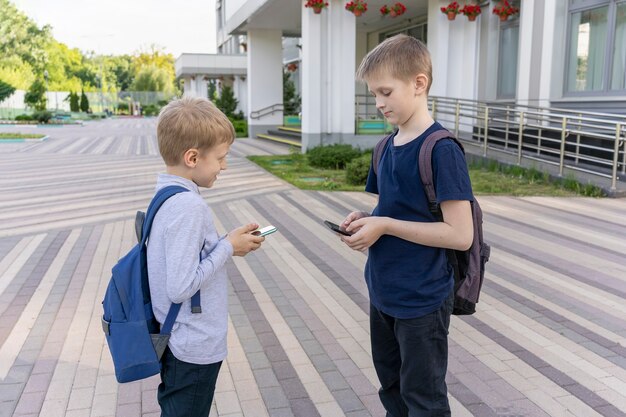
265,83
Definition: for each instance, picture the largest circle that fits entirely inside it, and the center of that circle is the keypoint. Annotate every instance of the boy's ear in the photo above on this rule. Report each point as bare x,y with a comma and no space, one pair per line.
190,157
421,83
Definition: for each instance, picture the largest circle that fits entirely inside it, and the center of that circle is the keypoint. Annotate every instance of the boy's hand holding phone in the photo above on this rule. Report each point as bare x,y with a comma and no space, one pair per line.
355,215
243,240
367,230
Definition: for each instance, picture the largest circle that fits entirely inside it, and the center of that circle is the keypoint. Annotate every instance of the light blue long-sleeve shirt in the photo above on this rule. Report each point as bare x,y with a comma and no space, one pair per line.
182,228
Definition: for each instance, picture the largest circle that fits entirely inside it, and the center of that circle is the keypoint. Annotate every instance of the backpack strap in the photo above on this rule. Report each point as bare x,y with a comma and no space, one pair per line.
426,174
425,165
378,151
157,201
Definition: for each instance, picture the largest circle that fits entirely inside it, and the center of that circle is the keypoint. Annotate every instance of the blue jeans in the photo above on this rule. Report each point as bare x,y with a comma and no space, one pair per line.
411,360
186,389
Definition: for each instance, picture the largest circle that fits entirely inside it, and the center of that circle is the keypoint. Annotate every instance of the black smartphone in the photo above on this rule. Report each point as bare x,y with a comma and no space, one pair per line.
335,228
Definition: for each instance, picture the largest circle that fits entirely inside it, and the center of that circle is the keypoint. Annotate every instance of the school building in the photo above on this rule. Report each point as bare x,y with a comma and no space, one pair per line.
566,54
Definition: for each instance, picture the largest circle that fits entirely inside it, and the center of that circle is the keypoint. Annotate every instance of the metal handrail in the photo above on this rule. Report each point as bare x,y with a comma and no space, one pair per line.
590,142
257,114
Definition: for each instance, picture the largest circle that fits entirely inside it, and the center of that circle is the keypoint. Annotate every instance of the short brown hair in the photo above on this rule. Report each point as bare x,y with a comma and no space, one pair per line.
191,122
401,56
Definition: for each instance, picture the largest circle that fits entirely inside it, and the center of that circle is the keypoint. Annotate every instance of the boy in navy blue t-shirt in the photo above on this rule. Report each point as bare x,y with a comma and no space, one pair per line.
409,278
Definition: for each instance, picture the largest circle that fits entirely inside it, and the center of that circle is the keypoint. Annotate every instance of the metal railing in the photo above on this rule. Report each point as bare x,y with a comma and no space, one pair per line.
265,111
594,143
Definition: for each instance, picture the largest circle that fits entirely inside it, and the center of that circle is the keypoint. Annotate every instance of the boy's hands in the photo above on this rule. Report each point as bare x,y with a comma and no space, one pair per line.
243,241
355,215
368,229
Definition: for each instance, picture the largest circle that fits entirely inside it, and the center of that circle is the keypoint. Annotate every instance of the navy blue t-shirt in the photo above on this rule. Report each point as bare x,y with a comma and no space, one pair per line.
405,279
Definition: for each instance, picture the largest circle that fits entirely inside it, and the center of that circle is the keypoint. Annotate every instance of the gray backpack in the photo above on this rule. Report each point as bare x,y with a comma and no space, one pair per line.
468,265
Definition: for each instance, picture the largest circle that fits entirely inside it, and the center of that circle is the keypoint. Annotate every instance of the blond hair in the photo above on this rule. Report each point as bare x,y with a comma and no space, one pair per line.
191,122
401,56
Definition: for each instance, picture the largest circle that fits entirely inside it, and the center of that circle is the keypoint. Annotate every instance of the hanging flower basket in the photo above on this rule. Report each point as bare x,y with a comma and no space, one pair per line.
395,10
471,11
316,5
357,7
451,10
504,10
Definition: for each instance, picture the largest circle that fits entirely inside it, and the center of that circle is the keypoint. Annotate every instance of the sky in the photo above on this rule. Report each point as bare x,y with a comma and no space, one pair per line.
125,26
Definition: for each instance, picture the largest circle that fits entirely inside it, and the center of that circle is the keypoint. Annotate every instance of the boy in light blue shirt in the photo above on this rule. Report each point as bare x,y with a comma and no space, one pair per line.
186,254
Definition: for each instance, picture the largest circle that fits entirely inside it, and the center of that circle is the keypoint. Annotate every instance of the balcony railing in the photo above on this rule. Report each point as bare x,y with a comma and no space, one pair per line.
589,142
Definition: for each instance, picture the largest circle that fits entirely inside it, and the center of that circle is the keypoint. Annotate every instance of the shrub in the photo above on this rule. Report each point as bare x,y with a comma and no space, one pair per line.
357,169
42,116
84,102
35,97
241,127
227,102
332,157
150,110
24,117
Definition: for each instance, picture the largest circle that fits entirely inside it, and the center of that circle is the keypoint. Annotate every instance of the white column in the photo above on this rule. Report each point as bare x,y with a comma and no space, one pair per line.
202,88
265,82
341,41
525,52
241,92
187,87
454,48
438,44
312,71
328,66
553,52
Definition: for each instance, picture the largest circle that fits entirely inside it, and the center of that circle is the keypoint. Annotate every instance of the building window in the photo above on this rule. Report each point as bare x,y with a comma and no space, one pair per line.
597,46
507,59
418,31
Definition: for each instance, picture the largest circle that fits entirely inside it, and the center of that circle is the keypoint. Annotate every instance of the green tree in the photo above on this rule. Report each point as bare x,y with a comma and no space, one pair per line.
212,90
291,100
16,72
154,56
35,97
153,78
21,37
153,70
74,101
122,67
84,103
227,102
6,90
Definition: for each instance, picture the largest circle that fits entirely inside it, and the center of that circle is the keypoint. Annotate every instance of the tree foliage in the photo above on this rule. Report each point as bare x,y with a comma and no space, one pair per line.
21,37
26,51
6,90
152,78
212,90
291,100
74,101
122,67
227,102
84,102
35,97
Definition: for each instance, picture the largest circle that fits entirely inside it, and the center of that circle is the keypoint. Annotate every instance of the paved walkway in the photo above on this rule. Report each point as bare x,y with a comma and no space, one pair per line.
549,338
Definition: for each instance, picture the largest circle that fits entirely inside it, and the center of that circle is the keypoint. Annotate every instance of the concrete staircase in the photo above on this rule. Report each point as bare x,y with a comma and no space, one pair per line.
291,136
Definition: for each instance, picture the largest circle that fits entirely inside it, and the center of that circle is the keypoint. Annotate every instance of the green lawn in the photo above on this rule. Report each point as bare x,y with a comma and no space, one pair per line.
295,170
20,136
486,180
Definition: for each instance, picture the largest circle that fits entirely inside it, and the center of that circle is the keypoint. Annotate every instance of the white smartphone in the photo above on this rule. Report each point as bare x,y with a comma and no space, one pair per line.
264,231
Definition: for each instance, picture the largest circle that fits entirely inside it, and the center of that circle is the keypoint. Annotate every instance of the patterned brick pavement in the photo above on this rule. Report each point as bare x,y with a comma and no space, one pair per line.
549,338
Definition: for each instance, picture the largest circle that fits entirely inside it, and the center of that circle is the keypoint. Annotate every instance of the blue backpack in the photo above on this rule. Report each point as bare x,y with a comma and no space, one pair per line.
131,330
